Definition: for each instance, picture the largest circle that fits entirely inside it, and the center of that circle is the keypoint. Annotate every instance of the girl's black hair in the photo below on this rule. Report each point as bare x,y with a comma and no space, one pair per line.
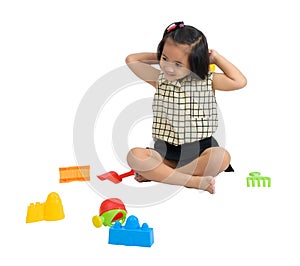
184,34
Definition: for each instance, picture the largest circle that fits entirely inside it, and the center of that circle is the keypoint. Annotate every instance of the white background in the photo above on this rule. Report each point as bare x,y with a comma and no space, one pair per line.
51,52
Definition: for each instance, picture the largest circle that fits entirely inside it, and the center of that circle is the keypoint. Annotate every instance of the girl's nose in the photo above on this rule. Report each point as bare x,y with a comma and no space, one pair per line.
169,68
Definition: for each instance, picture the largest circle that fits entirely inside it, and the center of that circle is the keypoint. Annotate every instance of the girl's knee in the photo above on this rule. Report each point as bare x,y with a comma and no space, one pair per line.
220,155
216,151
225,158
134,155
137,154
141,159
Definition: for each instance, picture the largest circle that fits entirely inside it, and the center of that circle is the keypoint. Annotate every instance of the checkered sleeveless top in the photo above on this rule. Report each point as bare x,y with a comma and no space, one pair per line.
184,110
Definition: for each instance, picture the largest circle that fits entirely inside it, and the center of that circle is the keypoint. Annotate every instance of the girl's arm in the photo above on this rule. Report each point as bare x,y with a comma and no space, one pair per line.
140,65
231,78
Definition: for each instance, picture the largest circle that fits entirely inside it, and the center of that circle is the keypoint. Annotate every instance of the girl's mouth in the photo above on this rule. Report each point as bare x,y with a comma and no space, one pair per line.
170,74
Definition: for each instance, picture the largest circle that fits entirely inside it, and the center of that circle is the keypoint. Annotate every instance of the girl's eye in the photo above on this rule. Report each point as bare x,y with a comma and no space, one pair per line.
177,65
164,58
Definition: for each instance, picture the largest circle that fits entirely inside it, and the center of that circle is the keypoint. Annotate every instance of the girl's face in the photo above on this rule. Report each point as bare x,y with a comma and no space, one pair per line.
174,61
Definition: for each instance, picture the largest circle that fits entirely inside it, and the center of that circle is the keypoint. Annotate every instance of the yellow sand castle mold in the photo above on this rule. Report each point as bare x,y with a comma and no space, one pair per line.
51,210
35,212
74,173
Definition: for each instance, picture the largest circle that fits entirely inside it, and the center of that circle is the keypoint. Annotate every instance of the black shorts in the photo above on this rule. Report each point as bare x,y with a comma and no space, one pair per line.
185,153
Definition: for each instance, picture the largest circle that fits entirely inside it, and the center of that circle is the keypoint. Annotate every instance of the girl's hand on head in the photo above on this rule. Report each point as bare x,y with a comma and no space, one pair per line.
212,56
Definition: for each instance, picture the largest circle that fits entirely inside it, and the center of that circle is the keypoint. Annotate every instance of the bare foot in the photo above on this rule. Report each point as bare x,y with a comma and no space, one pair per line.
206,183
211,187
139,178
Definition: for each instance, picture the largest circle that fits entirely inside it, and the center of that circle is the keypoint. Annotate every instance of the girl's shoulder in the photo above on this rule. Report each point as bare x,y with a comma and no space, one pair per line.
196,82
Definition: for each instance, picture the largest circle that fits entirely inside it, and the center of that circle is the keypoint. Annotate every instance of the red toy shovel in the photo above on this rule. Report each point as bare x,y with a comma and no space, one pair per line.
114,177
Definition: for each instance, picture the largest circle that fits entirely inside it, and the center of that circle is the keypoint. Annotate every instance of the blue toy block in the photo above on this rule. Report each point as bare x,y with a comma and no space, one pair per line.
131,234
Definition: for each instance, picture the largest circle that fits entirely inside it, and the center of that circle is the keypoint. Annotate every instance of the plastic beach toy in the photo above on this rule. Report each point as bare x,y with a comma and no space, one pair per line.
51,210
115,177
111,210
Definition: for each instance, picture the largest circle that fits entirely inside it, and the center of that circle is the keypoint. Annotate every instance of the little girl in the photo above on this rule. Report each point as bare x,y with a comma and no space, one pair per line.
184,110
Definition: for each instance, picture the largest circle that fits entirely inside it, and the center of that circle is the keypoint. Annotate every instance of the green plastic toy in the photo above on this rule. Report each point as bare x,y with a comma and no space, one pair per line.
255,177
111,210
